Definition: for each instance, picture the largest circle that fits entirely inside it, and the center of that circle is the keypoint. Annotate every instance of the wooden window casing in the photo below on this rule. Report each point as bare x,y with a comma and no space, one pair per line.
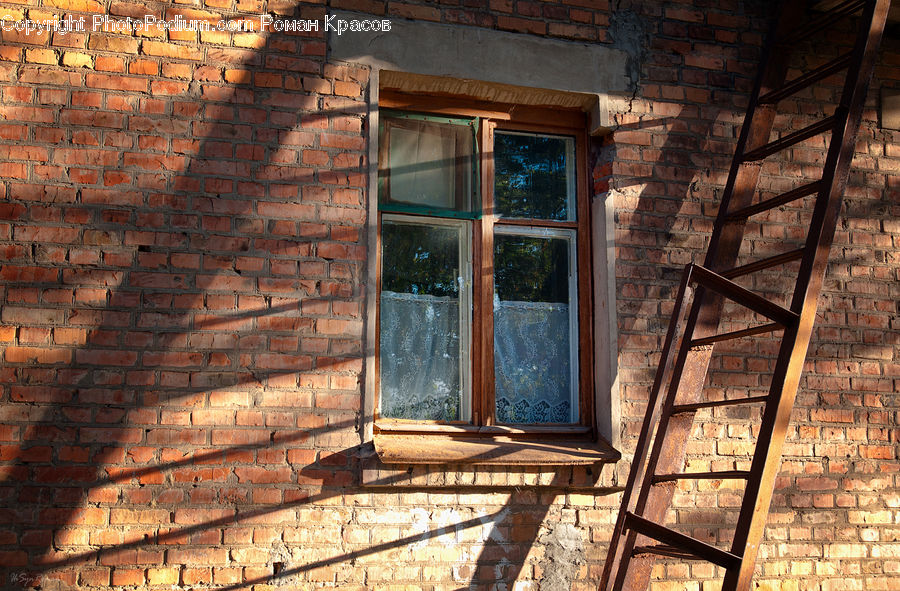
497,117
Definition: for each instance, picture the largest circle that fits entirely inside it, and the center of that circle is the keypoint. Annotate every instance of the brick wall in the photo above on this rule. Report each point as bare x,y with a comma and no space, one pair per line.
183,263
833,518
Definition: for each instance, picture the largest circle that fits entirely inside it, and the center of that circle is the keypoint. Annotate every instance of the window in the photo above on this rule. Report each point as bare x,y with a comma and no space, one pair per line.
484,319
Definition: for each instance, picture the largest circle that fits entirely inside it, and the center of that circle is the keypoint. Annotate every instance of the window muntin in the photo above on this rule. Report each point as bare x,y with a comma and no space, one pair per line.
539,173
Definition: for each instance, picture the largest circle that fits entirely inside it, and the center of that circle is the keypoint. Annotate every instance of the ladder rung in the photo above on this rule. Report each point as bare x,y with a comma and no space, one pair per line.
808,79
737,334
723,475
699,549
664,550
646,533
790,139
743,296
679,408
766,263
824,20
784,198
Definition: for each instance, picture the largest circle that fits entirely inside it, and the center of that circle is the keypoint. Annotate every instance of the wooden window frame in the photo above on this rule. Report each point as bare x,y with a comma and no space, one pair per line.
416,435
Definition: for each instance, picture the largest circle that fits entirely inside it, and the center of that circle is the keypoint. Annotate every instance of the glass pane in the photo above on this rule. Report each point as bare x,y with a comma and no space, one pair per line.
420,322
426,164
533,325
534,176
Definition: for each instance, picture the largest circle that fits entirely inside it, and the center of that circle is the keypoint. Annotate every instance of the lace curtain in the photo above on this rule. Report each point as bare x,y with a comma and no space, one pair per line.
420,360
419,357
532,373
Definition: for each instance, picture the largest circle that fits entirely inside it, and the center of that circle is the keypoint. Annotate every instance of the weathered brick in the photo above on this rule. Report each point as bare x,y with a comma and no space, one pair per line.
183,302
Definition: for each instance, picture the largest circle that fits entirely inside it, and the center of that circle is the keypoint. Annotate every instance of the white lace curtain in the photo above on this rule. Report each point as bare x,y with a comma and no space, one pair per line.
419,357
532,376
420,360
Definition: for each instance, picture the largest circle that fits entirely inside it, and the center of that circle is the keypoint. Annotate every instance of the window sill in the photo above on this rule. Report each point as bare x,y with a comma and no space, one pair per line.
406,448
398,426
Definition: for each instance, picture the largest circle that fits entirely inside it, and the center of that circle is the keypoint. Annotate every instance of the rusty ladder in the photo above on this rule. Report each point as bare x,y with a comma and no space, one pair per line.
640,535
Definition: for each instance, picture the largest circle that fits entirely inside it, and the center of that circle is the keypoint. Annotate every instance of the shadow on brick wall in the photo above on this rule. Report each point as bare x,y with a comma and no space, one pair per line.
184,278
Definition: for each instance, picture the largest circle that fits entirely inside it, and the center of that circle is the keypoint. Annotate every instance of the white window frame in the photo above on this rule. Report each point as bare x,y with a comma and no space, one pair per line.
570,236
465,298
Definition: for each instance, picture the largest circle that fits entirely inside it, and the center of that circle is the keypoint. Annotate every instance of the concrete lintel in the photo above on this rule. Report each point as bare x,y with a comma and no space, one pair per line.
475,53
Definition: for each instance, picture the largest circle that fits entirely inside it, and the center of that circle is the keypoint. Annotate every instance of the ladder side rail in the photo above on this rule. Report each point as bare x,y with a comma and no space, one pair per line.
740,186
743,177
773,428
840,157
671,435
651,417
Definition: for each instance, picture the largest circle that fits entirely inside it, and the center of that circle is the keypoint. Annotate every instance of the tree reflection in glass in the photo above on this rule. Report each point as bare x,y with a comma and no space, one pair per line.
534,176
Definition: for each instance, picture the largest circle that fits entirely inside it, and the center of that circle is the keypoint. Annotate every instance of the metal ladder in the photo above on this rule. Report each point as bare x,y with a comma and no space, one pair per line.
640,535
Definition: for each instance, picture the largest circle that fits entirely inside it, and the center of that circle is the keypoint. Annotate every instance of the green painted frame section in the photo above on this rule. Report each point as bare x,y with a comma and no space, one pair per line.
475,124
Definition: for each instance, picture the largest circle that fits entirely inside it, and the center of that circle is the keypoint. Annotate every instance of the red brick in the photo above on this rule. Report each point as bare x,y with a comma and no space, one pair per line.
521,25
128,576
263,476
170,50
27,114
101,357
37,355
91,118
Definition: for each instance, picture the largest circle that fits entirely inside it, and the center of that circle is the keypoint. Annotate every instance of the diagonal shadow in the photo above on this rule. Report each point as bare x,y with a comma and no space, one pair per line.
144,304
97,413
184,533
494,556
